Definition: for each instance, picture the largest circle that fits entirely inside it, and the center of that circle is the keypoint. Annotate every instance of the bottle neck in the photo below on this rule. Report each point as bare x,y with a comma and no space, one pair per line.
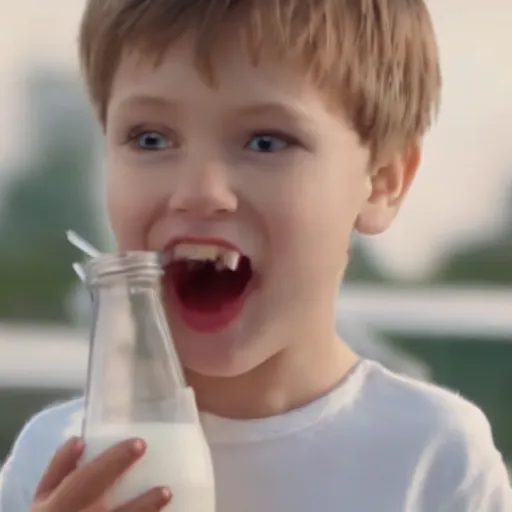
135,373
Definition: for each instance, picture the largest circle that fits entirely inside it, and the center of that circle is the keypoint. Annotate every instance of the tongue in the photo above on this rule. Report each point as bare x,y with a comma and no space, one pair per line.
206,289
208,292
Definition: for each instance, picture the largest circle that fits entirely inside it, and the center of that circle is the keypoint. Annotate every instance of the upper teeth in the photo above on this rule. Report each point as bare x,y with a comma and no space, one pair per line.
222,256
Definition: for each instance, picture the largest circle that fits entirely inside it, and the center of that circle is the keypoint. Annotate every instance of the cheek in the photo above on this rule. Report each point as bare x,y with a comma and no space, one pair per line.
312,224
319,213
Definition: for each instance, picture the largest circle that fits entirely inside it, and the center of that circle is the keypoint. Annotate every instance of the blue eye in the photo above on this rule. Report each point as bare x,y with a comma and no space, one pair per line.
150,141
268,143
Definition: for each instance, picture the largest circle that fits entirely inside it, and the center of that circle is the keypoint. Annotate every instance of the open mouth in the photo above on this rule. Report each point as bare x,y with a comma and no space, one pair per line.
210,282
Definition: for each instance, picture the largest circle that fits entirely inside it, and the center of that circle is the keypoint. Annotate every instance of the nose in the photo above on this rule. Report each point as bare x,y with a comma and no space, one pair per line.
203,192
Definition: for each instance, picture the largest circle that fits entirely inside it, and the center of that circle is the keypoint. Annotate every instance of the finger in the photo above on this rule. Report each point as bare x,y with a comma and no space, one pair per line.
90,482
151,501
62,464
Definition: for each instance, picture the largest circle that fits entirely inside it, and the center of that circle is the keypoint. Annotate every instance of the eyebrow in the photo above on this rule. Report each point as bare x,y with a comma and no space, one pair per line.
146,101
281,110
292,114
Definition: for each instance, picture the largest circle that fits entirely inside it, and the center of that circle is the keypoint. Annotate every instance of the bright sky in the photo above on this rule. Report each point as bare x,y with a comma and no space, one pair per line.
467,157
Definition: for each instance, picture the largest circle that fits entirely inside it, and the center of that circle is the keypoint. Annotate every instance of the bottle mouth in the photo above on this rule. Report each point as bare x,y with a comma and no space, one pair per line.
130,265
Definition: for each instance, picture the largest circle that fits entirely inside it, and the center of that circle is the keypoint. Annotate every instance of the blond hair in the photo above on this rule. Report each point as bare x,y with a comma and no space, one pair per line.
376,59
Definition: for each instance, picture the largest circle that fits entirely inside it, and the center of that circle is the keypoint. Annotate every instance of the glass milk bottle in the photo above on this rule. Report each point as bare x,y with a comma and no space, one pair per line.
136,387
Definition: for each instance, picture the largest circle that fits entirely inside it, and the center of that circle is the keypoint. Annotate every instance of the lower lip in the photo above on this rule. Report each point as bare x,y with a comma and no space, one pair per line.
206,322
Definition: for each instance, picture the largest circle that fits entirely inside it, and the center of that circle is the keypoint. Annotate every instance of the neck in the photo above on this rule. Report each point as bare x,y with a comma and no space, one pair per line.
292,378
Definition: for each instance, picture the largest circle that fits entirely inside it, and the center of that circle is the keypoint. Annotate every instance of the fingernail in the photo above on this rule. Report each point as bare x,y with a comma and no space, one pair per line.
165,494
138,447
79,446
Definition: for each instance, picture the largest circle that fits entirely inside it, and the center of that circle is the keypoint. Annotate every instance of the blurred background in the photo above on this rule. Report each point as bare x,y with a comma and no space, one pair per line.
431,298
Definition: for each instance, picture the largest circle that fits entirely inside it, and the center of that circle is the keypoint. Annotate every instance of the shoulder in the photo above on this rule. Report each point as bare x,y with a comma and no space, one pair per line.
49,429
35,446
456,463
407,401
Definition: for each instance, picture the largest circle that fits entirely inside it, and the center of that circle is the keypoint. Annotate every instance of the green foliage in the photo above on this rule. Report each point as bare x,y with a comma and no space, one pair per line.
478,369
21,405
487,262
47,198
361,268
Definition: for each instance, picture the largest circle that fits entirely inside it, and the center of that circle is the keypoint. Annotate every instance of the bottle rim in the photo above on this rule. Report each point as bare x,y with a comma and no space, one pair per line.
129,264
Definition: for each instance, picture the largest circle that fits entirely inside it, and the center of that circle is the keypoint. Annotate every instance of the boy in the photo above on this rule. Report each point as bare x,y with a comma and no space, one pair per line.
266,132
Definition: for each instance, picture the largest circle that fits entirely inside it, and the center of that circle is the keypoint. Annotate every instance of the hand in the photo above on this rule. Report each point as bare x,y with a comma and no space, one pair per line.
66,487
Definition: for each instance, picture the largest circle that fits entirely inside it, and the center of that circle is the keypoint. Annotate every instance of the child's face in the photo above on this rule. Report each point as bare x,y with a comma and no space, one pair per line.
258,162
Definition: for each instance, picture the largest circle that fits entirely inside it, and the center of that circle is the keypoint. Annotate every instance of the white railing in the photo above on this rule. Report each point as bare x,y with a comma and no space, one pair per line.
462,313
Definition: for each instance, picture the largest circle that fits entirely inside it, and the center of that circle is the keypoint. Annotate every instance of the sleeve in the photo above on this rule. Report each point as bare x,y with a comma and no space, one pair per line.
486,487
466,472
32,451
14,495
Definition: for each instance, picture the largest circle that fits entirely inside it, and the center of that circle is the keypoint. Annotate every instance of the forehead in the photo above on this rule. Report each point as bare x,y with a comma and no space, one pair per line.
237,78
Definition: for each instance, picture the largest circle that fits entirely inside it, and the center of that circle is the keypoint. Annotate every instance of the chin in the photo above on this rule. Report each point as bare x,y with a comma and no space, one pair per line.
211,354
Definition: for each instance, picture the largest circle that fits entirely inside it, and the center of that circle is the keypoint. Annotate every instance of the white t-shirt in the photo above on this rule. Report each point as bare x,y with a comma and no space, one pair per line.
379,442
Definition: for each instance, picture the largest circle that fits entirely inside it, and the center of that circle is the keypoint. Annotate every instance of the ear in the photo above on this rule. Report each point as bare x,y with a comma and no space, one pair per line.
389,183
